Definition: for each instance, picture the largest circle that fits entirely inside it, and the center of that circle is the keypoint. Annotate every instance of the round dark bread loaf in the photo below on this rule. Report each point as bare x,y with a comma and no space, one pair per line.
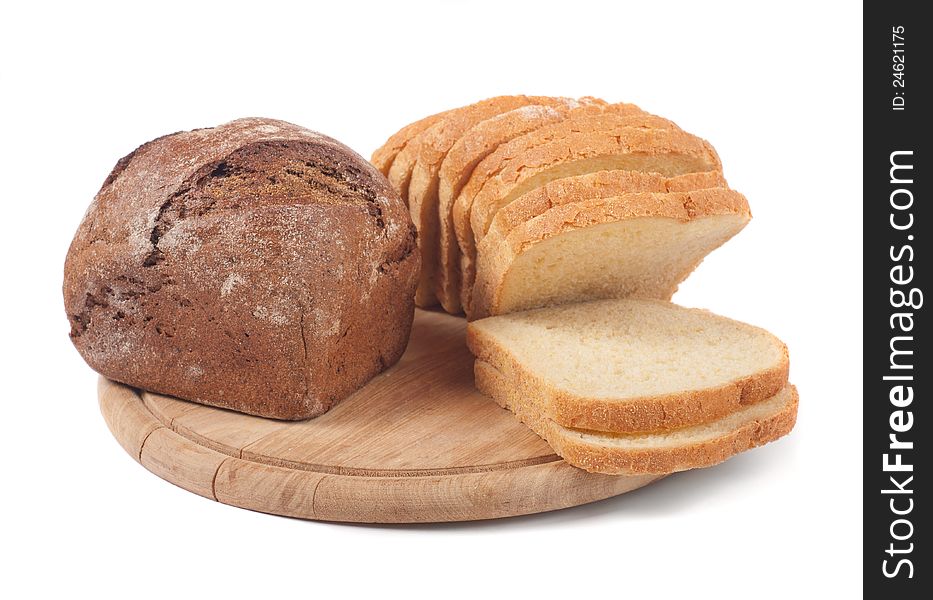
257,266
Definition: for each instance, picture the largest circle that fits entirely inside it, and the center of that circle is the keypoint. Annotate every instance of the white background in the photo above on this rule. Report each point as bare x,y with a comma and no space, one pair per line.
775,87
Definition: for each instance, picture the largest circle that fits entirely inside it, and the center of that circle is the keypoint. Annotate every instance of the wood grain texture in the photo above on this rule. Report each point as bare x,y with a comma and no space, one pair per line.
417,444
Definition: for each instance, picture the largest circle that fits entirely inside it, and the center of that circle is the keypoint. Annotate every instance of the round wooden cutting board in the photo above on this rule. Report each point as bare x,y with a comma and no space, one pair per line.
416,444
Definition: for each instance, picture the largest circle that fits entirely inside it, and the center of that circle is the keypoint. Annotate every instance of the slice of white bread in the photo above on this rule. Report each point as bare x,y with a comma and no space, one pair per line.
463,157
660,452
429,149
385,155
631,366
639,245
605,142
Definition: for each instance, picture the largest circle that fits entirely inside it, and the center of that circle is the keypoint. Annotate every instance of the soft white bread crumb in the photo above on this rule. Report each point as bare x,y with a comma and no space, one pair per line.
642,257
629,366
610,234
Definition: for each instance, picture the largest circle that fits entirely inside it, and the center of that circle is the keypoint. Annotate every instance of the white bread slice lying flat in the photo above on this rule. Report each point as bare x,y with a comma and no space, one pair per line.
639,245
606,143
463,157
662,452
429,150
631,366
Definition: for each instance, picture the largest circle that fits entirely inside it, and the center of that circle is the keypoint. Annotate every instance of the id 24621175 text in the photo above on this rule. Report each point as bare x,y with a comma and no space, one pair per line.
898,81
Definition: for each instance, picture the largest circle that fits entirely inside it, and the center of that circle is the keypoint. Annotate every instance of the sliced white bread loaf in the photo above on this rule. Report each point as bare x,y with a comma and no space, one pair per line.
605,142
385,155
463,157
639,245
631,366
429,149
660,452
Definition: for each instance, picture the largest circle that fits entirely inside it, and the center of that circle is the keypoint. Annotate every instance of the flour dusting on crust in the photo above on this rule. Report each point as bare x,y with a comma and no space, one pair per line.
256,265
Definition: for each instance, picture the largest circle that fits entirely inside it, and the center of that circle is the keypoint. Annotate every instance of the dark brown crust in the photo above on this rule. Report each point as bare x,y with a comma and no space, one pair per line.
256,266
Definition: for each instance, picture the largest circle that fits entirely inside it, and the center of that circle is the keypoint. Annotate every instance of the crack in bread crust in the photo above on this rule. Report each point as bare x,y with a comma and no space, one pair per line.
256,265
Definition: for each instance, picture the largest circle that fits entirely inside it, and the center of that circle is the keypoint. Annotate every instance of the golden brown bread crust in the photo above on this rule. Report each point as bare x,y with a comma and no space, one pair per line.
642,135
601,184
466,153
385,155
584,118
636,415
596,459
630,461
256,266
497,253
414,175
